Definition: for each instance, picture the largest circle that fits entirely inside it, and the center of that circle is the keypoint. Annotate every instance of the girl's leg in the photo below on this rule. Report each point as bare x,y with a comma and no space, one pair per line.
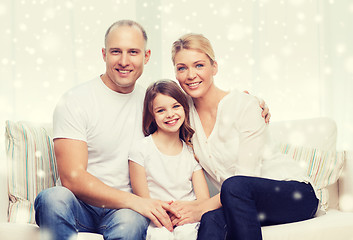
186,231
251,202
156,233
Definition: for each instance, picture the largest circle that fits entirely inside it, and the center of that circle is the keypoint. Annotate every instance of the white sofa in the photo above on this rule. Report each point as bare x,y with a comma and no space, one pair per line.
336,224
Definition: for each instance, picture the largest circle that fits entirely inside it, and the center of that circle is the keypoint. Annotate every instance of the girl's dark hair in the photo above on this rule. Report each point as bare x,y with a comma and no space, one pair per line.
171,89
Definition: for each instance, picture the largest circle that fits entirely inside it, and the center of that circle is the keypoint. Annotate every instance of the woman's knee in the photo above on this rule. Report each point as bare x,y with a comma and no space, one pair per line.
235,185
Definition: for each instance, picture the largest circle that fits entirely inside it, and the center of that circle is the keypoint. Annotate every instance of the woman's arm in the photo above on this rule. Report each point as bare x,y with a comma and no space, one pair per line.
138,180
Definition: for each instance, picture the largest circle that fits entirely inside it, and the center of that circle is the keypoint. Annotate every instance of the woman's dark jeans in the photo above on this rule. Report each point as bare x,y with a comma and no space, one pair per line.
251,202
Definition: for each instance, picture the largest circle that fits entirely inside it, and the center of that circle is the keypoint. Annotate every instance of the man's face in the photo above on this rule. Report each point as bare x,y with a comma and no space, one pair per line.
125,57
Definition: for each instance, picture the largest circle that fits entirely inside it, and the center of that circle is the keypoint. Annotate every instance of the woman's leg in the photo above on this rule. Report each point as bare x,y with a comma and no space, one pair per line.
212,226
251,202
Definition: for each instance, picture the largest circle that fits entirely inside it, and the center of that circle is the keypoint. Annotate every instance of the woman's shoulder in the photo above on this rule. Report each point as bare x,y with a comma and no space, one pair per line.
238,100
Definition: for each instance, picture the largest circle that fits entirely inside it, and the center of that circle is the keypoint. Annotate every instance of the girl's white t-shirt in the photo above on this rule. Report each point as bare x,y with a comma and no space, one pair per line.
168,177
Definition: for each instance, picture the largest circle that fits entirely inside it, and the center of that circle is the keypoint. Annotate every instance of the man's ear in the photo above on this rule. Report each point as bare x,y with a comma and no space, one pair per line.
147,55
104,54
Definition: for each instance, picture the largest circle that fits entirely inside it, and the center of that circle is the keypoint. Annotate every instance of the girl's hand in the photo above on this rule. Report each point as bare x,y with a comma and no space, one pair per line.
190,212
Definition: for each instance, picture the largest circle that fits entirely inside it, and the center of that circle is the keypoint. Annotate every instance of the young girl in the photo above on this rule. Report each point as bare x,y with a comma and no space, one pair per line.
162,165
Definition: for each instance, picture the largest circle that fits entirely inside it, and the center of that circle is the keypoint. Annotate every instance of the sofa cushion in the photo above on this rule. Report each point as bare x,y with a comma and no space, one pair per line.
31,167
323,167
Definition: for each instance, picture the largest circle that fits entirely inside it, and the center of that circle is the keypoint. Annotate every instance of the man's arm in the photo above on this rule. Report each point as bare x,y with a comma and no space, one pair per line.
72,159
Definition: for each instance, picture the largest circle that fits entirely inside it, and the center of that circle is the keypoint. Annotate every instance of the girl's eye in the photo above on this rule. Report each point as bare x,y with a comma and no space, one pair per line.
177,106
160,110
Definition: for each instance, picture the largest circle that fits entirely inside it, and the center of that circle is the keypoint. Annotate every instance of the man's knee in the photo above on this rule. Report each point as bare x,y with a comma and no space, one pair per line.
128,224
52,201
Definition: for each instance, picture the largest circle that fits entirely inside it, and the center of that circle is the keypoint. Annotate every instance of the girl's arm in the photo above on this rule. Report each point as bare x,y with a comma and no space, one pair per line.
138,180
191,211
200,185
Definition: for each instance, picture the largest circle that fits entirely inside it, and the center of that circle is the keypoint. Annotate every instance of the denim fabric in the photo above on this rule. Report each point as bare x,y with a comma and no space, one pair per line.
251,202
61,216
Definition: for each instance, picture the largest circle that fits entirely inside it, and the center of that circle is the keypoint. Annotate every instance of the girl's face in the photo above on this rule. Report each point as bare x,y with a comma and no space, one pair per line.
168,113
194,72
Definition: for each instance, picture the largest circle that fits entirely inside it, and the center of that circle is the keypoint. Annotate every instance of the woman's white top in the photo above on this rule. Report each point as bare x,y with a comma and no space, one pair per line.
168,177
239,143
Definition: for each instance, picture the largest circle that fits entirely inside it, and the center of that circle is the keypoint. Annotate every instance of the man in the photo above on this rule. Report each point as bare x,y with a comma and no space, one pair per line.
94,125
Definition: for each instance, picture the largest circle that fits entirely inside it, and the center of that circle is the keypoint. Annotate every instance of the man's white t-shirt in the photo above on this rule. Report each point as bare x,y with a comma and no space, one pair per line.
109,122
168,177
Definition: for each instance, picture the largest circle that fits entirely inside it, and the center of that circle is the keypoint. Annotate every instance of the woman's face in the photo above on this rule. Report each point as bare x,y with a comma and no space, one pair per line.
194,72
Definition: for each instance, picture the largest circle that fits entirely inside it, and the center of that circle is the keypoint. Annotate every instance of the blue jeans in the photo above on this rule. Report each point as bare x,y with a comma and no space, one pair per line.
251,202
61,216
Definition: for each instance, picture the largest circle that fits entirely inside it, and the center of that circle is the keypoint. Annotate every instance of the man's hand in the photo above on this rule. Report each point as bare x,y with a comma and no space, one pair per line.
265,110
157,211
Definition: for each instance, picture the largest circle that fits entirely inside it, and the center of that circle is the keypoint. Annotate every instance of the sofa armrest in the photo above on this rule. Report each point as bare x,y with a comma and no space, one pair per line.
346,185
4,198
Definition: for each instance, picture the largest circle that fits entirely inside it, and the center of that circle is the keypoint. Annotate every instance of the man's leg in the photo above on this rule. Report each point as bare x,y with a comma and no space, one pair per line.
123,224
61,215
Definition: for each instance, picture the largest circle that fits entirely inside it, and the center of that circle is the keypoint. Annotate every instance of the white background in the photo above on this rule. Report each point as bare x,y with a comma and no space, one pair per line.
296,54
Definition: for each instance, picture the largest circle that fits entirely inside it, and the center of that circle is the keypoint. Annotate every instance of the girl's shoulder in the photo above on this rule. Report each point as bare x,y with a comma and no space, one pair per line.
141,144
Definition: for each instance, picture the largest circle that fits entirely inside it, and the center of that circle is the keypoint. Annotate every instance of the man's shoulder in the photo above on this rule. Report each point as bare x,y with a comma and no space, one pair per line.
83,87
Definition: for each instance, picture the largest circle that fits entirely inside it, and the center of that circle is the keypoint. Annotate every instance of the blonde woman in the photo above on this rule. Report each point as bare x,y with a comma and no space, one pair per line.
257,186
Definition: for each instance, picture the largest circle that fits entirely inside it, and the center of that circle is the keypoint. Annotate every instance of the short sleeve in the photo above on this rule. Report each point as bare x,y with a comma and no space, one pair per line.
69,119
136,153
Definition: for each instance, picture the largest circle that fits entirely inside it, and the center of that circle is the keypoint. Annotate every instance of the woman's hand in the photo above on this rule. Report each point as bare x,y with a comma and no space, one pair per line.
190,212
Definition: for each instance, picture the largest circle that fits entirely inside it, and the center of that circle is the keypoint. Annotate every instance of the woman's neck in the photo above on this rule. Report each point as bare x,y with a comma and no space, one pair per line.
209,102
167,143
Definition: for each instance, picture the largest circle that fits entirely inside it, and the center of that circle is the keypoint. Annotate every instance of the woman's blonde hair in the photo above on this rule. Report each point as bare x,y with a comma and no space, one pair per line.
193,41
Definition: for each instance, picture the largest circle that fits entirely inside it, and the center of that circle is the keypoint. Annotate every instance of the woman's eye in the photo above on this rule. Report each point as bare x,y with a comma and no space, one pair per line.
199,65
181,68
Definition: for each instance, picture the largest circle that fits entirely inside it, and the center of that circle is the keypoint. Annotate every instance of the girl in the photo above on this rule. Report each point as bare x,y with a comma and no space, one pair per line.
258,186
162,165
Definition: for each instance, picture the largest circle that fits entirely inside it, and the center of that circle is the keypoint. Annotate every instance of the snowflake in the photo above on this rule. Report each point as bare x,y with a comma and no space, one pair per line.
297,195
261,216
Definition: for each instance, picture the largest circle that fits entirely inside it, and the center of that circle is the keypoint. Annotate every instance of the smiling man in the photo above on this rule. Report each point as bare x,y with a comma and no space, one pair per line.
94,126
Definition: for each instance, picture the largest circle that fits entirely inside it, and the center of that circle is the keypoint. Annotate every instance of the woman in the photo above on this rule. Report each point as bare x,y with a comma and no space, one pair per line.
258,186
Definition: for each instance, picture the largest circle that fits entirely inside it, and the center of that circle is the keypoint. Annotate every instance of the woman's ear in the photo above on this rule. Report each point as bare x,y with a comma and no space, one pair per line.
215,68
